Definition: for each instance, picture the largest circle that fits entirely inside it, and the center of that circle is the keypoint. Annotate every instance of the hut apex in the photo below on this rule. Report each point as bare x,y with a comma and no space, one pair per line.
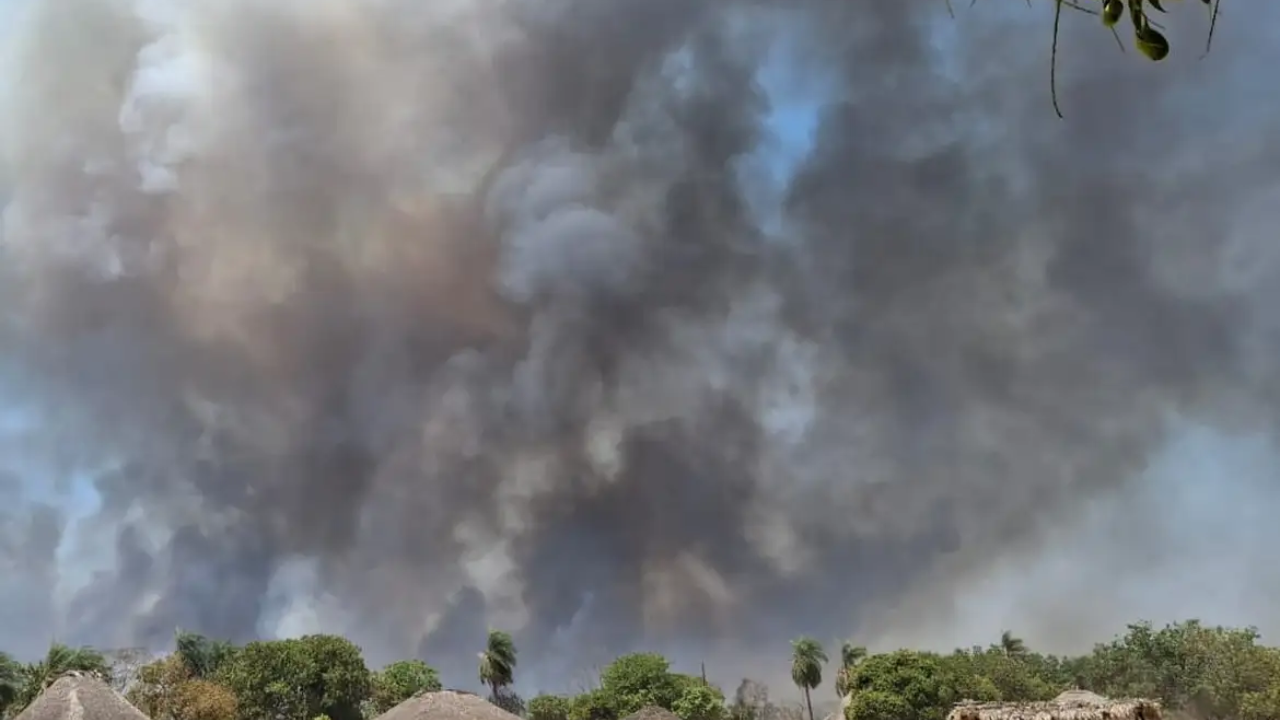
1070,705
80,696
446,705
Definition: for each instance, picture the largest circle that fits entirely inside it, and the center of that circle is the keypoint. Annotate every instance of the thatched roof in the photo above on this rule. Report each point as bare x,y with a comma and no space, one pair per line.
79,696
652,713
447,705
1070,705
1080,697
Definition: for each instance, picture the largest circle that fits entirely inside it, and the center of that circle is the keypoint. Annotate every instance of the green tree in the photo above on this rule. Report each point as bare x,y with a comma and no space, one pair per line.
699,701
402,680
1263,703
879,705
270,679
807,659
60,659
10,681
202,655
549,707
639,680
1208,671
498,661
593,705
904,685
1011,645
298,679
342,678
995,674
850,656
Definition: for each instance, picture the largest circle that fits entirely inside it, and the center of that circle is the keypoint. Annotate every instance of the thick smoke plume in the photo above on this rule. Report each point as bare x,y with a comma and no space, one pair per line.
403,319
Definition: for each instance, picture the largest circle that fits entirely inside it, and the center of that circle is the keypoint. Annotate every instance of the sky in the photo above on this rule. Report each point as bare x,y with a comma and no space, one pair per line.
792,121
1196,466
793,117
1202,493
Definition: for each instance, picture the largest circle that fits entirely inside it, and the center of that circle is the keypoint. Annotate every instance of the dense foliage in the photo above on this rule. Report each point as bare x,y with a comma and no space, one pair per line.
400,681
1212,673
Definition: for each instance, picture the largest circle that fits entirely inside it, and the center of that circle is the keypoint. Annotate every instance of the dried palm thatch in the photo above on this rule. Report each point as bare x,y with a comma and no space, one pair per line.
80,696
446,705
1070,705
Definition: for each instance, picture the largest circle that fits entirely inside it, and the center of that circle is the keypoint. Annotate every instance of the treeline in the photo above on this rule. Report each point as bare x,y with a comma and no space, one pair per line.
1213,673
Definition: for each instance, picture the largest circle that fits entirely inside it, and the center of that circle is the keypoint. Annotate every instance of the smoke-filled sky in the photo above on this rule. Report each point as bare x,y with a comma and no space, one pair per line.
683,325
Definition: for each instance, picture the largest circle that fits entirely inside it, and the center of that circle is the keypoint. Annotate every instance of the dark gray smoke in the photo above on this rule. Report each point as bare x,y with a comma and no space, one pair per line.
405,319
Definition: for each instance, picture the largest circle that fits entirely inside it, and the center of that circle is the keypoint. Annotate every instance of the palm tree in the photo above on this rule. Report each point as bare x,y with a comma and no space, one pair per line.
1011,645
807,659
200,655
10,681
498,661
850,656
59,660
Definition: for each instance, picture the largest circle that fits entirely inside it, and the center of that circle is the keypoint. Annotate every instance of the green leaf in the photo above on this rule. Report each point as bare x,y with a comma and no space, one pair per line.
1111,12
1152,44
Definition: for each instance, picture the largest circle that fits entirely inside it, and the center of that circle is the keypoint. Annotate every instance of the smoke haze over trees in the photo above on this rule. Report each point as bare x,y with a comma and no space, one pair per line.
401,320
1193,669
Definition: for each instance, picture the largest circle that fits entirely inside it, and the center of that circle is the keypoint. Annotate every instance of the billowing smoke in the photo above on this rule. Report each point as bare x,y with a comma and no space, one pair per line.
403,319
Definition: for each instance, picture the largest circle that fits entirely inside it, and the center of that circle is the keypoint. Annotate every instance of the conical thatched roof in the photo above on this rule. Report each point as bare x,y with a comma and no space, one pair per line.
1070,705
446,705
78,696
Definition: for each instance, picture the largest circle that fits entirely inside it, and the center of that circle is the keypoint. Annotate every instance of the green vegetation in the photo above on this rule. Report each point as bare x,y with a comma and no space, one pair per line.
20,684
850,656
550,707
498,662
1211,673
807,659
400,681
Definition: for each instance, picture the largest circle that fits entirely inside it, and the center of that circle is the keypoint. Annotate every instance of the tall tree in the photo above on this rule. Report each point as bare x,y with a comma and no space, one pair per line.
638,680
498,661
298,679
807,659
907,684
850,656
201,655
1012,645
10,681
59,660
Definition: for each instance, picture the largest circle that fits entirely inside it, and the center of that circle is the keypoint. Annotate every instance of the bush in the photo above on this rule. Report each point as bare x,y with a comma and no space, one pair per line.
298,679
887,686
639,680
400,681
549,707
699,701
204,700
879,705
594,705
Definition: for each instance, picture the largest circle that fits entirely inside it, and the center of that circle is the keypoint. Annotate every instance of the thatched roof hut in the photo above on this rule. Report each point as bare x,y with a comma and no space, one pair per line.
447,705
80,696
1070,705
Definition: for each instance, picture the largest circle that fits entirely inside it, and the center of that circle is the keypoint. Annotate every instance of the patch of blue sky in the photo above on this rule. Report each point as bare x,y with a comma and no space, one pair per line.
795,99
